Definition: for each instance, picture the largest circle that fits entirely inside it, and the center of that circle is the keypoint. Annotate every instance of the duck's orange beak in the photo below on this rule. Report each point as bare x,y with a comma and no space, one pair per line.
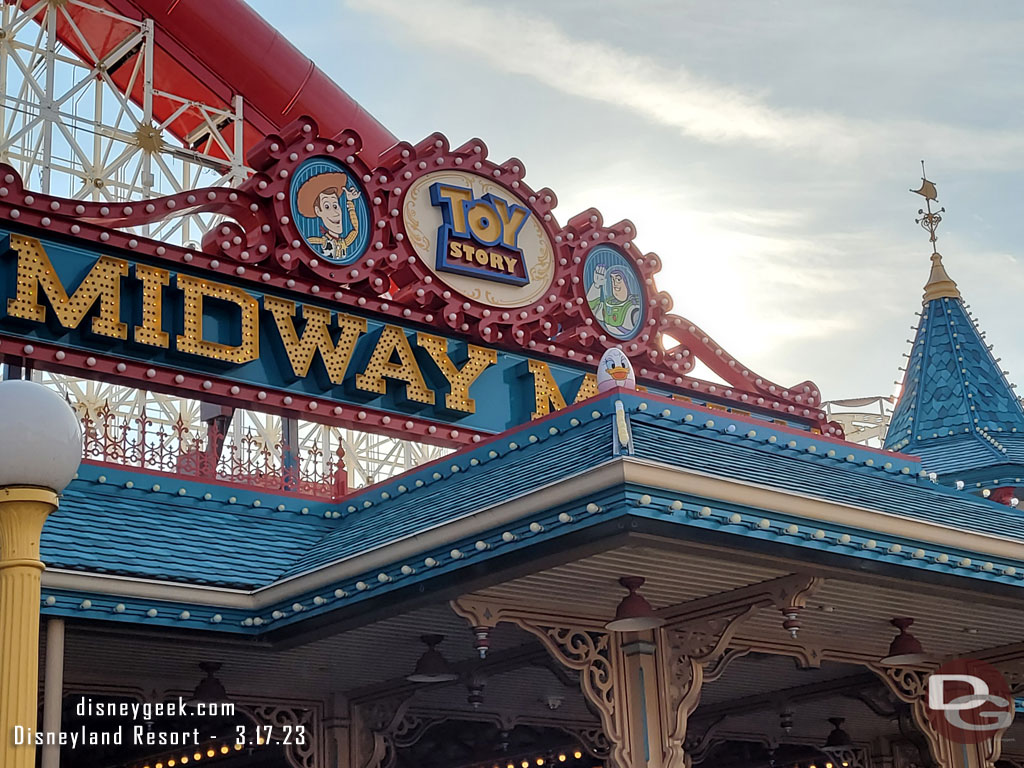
619,373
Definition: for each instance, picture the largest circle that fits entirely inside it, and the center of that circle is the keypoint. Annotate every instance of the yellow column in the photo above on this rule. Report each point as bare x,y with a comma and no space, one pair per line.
22,514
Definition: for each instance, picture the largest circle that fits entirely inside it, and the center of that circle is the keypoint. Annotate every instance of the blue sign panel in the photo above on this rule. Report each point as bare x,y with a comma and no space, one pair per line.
177,319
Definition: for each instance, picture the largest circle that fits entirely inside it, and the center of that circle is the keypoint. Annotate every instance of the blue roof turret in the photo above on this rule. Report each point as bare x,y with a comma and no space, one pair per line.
956,410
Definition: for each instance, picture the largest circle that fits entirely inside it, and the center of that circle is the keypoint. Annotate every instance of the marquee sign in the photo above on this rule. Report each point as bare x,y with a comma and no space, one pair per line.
177,320
433,296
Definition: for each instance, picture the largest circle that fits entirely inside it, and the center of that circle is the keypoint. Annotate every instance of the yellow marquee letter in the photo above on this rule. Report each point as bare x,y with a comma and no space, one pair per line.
192,342
153,281
547,393
459,380
315,336
392,341
588,388
103,284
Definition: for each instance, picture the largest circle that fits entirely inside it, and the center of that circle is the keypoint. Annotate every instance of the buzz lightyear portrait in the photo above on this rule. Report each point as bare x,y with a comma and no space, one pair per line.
613,293
332,213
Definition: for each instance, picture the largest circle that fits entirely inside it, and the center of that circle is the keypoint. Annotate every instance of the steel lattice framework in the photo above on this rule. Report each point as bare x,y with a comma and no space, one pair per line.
69,129
865,420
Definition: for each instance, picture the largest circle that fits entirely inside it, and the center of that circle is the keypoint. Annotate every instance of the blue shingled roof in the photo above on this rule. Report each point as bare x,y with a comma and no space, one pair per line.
103,528
831,479
245,539
957,411
461,492
798,462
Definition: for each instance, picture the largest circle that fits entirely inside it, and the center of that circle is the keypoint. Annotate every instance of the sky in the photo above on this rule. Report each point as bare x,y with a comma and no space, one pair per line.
763,149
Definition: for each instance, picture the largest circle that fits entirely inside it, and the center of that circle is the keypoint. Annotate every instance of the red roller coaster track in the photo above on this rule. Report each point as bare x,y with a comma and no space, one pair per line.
211,51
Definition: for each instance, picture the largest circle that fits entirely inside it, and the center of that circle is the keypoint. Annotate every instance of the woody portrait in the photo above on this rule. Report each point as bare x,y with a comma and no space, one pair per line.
330,198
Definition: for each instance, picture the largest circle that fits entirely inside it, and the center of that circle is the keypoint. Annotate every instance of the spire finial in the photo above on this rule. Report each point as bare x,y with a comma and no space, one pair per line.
939,284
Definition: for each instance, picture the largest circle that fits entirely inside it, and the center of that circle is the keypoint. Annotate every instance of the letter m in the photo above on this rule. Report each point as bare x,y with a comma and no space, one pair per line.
102,284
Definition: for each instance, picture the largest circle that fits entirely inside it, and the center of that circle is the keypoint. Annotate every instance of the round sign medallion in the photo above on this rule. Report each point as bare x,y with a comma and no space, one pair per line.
330,210
614,292
478,238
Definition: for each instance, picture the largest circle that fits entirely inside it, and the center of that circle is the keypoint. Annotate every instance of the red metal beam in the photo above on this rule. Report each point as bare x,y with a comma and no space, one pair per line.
210,51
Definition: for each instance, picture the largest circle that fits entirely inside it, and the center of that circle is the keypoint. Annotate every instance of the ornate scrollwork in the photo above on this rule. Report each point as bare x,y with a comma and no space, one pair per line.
910,684
380,719
699,639
594,741
692,647
847,757
408,730
588,652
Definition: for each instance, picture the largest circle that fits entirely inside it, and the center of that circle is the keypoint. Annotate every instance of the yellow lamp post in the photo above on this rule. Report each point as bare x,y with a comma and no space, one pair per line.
40,449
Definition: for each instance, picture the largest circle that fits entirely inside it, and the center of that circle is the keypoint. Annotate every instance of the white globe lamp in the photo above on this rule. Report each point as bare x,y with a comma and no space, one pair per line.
40,437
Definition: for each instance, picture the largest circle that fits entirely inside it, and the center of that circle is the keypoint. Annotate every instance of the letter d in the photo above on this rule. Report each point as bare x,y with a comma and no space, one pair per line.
19,735
937,690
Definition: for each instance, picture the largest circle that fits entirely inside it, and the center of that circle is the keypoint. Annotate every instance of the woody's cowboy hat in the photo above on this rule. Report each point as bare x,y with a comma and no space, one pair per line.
313,186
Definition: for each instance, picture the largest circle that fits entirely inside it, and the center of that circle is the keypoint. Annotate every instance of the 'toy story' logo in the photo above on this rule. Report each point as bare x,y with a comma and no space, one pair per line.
480,235
969,701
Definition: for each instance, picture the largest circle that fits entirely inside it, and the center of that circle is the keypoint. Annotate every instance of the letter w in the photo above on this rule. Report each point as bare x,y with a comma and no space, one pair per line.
316,335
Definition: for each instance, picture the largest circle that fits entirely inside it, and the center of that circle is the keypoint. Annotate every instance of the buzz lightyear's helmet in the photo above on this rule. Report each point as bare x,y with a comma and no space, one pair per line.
614,370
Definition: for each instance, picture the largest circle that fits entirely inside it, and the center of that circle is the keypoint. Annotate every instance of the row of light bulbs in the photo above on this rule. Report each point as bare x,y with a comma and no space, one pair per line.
194,757
540,760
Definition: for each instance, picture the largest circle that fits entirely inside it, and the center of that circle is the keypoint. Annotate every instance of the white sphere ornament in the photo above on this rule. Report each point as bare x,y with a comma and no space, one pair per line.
40,437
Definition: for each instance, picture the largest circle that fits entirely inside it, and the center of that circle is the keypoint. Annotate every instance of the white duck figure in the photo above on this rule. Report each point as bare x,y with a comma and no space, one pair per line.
615,370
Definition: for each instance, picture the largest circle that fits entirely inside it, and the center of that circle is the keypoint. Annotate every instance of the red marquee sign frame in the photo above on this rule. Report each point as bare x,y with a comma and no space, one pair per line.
259,243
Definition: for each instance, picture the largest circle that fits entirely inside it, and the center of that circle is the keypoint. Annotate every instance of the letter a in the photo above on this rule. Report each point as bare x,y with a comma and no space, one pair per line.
393,342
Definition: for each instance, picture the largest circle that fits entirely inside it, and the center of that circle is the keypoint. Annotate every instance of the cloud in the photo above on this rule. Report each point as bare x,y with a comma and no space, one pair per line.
700,108
515,43
781,212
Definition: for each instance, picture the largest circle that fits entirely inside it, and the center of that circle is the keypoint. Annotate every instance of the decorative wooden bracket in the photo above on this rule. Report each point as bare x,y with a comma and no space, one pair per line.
377,722
284,721
693,646
910,685
687,648
847,757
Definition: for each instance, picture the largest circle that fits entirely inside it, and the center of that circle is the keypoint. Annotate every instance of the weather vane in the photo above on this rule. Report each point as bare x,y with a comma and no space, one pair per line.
929,220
